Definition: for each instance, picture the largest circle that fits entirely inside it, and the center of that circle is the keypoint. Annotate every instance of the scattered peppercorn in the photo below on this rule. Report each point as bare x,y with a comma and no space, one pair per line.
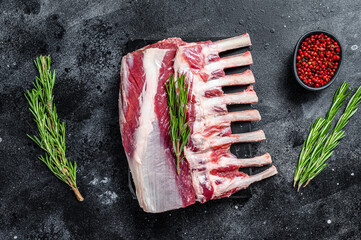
317,60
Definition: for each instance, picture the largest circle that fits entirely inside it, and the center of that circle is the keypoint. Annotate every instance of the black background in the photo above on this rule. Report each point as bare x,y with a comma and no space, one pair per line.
86,40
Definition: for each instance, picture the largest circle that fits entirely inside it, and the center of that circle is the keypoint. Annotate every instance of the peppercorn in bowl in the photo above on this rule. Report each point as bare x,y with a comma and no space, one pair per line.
317,60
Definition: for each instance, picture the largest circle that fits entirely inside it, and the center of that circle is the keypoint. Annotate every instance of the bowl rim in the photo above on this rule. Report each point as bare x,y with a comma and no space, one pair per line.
300,40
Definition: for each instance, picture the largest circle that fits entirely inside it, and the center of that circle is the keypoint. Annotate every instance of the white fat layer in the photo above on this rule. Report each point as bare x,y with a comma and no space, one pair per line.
128,59
159,184
124,75
156,186
152,62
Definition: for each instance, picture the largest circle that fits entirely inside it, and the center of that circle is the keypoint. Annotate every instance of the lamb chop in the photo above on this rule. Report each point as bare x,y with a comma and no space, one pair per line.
209,170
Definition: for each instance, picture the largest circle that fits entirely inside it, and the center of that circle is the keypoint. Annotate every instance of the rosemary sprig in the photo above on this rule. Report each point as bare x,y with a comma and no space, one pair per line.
319,145
177,103
318,132
326,149
51,132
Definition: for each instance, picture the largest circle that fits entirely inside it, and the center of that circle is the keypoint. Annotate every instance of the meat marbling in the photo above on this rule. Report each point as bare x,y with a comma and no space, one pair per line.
209,170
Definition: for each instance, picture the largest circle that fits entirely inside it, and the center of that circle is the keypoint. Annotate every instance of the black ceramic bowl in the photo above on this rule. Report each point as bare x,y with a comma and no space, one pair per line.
295,60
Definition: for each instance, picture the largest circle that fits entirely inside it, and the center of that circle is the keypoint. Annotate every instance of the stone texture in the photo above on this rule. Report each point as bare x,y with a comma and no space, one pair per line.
86,40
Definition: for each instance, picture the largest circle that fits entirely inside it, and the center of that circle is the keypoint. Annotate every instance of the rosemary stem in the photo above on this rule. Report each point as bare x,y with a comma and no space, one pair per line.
308,181
178,155
78,196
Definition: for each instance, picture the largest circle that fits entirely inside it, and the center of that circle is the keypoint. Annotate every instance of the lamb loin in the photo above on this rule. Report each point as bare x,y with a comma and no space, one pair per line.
209,170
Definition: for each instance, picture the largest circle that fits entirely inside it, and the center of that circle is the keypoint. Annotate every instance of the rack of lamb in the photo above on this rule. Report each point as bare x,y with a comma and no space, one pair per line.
209,170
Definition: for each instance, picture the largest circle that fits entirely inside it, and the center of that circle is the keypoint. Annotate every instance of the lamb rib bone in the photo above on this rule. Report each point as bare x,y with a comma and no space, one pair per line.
232,43
243,78
229,162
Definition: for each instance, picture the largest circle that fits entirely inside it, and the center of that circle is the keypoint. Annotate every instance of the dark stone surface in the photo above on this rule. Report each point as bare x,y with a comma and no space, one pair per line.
86,41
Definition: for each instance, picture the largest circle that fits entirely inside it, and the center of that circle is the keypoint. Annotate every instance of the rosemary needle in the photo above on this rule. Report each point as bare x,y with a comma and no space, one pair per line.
177,102
51,132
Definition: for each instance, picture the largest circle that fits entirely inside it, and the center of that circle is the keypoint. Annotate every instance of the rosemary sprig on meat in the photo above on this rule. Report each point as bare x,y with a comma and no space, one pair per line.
316,152
177,103
51,132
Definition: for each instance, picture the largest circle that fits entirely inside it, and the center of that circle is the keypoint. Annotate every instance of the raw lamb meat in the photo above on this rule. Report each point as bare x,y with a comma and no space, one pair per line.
209,170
